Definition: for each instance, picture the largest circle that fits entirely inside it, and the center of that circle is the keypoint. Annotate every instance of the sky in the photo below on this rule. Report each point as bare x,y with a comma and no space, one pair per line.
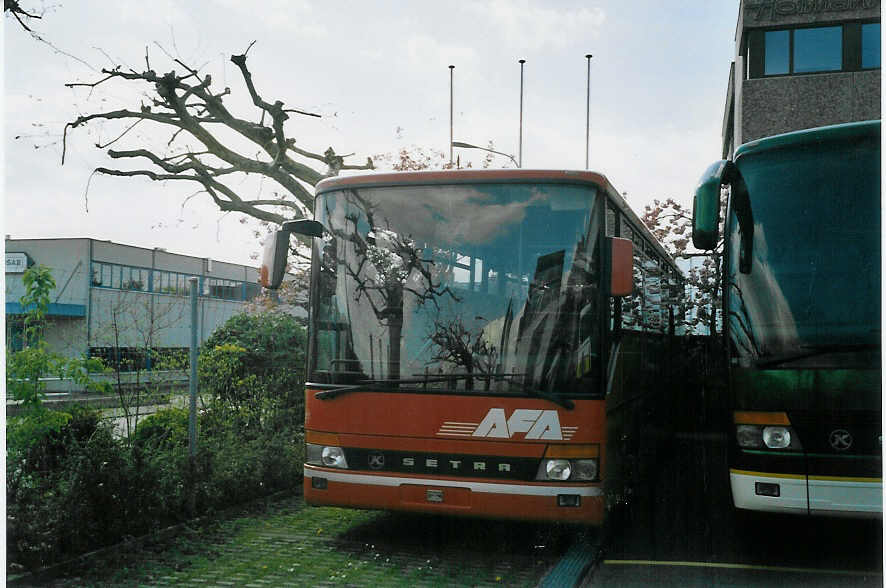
378,74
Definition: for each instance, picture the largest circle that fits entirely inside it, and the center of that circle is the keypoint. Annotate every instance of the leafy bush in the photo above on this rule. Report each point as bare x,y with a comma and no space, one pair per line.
72,486
164,430
252,368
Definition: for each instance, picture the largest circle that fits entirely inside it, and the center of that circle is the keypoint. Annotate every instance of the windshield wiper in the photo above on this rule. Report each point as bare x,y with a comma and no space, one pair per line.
379,385
363,386
815,351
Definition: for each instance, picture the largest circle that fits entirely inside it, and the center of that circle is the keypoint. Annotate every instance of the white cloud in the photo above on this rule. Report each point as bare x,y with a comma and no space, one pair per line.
295,17
425,51
530,25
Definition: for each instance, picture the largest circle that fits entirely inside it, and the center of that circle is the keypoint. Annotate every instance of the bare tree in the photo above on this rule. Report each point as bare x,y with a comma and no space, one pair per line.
202,150
135,322
22,15
464,348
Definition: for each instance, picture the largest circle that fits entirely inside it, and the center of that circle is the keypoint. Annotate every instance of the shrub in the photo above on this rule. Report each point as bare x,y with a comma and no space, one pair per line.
72,486
164,430
252,368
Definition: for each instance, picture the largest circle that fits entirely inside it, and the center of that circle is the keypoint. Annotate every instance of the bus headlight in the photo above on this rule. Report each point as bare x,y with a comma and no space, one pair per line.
334,457
325,455
777,437
573,470
749,436
558,469
765,430
767,437
584,469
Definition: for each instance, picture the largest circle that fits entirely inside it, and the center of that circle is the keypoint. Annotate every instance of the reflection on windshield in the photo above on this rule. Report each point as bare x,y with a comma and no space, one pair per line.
814,276
490,287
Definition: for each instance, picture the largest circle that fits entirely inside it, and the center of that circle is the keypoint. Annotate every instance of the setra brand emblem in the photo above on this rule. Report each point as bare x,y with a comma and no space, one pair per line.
376,460
840,439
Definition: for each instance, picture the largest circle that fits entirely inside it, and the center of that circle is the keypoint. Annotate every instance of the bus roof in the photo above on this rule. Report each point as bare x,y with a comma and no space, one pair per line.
841,132
366,180
469,176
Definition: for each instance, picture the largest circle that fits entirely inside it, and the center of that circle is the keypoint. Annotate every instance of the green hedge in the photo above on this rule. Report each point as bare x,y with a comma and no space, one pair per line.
73,486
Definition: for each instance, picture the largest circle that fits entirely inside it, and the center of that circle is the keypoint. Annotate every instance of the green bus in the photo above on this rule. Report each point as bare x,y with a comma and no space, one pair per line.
801,318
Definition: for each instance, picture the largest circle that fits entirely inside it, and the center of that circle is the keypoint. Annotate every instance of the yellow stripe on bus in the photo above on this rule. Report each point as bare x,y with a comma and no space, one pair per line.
845,479
803,477
734,566
767,474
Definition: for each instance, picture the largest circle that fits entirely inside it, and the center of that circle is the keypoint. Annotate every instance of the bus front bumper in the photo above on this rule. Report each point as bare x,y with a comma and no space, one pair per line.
524,501
799,494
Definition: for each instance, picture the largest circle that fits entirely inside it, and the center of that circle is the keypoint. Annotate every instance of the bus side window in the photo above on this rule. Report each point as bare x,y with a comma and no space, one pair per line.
632,306
610,222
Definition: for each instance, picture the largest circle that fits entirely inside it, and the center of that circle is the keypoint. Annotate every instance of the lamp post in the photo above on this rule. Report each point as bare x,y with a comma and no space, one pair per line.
469,146
451,67
588,119
520,145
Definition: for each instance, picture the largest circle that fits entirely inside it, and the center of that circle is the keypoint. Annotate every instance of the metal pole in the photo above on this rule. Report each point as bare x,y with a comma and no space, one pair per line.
588,119
520,146
192,417
451,67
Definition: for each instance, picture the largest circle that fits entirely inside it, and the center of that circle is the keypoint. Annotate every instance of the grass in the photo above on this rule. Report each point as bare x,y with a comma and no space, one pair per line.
284,543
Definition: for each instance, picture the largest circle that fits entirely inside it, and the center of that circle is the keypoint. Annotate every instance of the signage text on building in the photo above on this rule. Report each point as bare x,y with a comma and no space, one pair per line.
773,9
16,263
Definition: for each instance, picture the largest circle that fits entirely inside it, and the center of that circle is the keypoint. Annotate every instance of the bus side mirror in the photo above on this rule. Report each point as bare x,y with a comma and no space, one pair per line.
273,263
621,266
276,252
706,206
309,228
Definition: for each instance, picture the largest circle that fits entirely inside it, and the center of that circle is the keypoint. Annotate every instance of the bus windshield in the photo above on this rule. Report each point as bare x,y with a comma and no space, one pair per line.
812,297
460,287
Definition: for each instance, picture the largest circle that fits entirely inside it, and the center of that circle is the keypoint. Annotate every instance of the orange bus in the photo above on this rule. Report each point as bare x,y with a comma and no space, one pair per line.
474,339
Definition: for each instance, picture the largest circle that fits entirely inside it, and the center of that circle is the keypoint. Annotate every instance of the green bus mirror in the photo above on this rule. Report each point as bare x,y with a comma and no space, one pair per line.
706,206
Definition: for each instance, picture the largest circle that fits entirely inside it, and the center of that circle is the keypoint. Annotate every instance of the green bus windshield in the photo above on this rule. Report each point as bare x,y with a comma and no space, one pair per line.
813,291
473,287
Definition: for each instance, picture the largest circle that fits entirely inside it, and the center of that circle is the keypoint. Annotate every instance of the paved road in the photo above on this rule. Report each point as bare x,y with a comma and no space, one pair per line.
688,535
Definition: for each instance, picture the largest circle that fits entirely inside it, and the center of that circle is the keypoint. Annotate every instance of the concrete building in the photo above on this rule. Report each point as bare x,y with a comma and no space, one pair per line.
114,300
801,64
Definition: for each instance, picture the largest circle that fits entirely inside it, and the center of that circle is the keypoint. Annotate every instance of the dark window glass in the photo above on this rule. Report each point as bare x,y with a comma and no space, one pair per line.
777,52
226,289
626,232
814,285
870,45
818,49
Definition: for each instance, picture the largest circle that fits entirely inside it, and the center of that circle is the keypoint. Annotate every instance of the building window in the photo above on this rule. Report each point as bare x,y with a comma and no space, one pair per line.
171,283
818,49
870,45
805,50
226,289
134,278
777,53
253,290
